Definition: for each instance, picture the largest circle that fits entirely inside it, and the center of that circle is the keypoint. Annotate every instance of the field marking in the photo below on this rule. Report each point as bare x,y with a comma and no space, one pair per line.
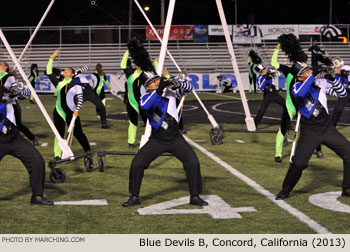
281,203
109,99
44,144
92,143
101,202
191,107
267,117
239,141
217,208
232,97
28,107
329,201
238,113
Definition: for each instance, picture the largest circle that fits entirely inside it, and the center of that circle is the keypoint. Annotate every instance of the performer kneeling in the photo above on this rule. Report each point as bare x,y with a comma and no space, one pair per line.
316,127
160,107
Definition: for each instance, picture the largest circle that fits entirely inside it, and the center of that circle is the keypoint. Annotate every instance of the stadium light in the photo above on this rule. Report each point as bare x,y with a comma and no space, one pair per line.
146,8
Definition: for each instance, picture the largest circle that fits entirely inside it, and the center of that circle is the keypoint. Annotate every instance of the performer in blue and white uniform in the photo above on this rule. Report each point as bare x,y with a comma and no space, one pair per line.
159,104
316,128
11,141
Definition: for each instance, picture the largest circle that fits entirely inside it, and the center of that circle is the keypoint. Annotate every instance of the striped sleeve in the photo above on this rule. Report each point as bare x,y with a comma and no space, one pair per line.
185,88
82,70
337,88
25,92
79,98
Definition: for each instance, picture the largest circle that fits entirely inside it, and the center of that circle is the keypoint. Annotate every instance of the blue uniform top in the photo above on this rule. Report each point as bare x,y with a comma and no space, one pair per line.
310,91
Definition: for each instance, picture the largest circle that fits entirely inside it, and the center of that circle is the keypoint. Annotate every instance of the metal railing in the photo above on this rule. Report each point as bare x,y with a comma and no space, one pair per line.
89,45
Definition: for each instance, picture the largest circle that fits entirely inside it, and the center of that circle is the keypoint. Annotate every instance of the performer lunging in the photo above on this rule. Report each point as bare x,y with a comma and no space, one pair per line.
291,46
160,107
12,143
316,128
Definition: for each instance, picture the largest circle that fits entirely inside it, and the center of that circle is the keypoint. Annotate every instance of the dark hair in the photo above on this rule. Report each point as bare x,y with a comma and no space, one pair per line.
98,65
33,66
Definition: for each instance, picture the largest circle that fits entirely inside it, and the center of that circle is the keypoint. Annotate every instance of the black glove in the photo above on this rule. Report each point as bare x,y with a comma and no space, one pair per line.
174,83
344,73
329,77
162,84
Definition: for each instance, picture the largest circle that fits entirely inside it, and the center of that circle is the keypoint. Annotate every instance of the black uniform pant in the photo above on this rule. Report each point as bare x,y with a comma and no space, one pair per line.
78,131
15,145
20,126
90,95
153,149
339,107
309,139
252,81
268,98
227,89
181,122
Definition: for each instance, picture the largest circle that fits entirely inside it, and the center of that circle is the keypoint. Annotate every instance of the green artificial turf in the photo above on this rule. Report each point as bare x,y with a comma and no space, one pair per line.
164,181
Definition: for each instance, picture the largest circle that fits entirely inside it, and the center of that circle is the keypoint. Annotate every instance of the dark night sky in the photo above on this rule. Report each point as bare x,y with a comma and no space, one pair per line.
79,12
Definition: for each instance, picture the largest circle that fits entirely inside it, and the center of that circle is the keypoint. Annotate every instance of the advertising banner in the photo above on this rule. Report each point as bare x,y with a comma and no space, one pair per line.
200,82
200,33
177,32
272,32
217,30
310,29
242,35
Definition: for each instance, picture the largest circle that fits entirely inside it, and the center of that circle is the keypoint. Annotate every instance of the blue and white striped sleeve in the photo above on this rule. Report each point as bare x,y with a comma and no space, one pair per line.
185,88
337,89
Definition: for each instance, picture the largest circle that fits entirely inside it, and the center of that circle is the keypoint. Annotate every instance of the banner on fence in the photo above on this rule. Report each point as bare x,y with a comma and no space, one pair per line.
177,32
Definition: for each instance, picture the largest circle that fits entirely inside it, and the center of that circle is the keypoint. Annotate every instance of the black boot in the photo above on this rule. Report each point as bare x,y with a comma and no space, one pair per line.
346,192
282,195
132,201
40,200
196,200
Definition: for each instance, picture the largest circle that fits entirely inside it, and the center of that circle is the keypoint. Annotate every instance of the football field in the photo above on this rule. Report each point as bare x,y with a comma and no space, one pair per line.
240,179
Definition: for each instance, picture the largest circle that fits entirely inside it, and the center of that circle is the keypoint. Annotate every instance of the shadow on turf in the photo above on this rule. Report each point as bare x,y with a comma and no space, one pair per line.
53,192
321,176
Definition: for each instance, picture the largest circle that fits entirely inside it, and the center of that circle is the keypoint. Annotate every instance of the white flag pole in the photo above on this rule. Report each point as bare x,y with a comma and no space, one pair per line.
210,117
249,120
63,144
163,49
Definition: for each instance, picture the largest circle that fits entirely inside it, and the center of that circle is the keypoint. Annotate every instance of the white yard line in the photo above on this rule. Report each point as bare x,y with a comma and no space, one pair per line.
281,203
44,144
100,202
